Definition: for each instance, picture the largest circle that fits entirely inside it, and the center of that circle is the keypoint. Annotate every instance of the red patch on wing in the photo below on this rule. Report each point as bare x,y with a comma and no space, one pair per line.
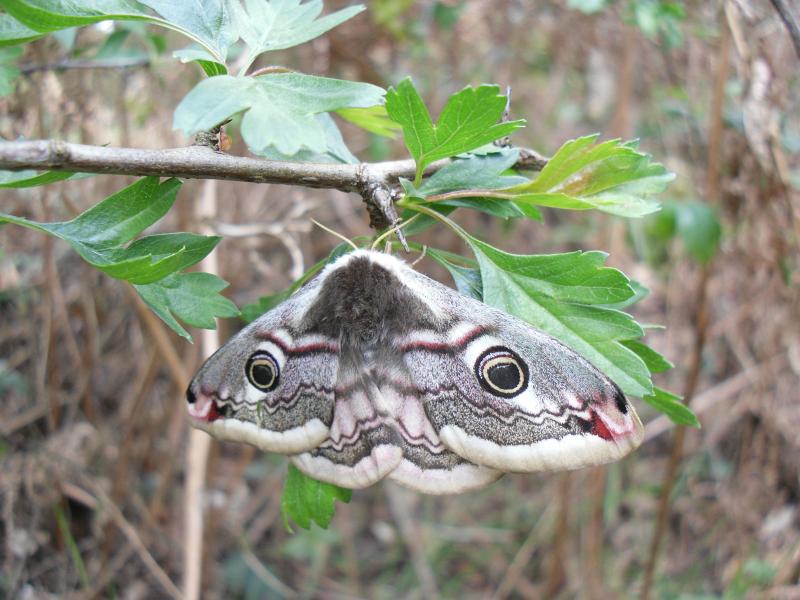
213,413
204,409
599,428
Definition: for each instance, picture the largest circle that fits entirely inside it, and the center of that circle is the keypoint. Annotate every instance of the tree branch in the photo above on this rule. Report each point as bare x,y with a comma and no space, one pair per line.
196,162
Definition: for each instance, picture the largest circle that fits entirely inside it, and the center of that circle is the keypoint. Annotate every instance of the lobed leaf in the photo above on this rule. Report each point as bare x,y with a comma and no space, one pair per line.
486,172
280,109
466,276
555,293
478,172
267,25
468,120
207,22
150,263
307,500
336,151
193,298
611,176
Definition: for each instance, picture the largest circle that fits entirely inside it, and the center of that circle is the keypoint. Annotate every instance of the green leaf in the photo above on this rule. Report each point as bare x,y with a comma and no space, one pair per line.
694,222
191,297
670,404
206,22
49,15
655,361
281,108
639,293
24,179
307,500
475,172
372,118
611,176
484,172
267,25
164,253
150,263
467,278
479,173
699,228
203,58
468,120
122,216
336,151
98,234
555,293
13,32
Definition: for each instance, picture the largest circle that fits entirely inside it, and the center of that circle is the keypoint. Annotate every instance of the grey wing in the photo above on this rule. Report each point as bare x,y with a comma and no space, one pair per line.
507,396
271,385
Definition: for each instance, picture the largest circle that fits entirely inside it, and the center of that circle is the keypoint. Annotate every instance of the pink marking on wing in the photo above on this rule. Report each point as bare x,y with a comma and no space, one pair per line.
441,346
313,347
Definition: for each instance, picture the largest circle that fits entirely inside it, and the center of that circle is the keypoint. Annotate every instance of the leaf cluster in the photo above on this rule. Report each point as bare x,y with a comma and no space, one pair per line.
104,237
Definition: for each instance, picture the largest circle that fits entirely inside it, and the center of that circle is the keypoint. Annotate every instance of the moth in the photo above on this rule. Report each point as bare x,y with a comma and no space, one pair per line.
373,370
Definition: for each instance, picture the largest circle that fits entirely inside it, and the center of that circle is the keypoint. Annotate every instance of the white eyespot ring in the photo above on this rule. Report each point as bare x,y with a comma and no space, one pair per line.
262,371
501,372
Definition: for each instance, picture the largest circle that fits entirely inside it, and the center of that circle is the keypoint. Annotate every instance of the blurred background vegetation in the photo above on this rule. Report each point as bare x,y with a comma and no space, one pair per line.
92,411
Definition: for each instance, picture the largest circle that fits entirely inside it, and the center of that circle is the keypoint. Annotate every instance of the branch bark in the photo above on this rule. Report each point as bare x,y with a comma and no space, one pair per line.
197,162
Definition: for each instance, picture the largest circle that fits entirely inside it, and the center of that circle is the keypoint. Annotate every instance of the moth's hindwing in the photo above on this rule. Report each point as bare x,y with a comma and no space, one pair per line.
373,370
380,429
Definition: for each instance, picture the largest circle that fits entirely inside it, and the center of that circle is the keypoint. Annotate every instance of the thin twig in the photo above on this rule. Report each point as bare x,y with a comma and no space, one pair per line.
67,64
790,21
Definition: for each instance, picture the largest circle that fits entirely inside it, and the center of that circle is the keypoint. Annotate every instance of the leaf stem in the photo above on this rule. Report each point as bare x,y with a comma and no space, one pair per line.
469,194
421,208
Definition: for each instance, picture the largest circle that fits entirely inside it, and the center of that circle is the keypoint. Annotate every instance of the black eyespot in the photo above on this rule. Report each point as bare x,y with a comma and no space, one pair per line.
262,371
501,372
